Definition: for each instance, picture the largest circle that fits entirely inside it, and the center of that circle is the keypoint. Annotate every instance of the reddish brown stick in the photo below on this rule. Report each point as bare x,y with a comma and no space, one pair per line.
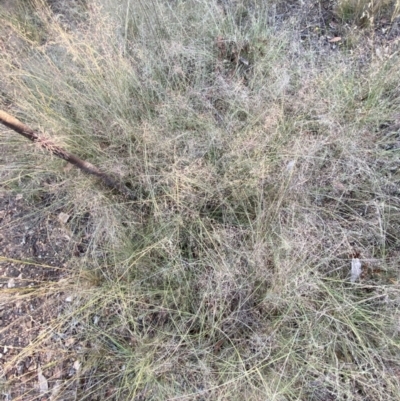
16,125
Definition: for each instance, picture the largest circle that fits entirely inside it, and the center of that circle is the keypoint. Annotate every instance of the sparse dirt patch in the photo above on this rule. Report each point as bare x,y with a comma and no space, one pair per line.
34,274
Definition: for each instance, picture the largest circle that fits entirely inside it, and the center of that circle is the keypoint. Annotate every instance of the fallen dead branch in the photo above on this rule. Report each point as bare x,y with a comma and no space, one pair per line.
45,143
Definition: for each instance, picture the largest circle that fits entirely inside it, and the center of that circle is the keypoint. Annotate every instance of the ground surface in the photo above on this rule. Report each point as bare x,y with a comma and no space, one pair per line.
39,241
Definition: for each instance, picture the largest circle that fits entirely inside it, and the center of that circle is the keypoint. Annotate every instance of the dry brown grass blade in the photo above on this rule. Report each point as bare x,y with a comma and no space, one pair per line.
16,125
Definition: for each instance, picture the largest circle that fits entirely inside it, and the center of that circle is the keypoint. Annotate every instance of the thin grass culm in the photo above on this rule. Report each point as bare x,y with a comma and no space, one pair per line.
259,256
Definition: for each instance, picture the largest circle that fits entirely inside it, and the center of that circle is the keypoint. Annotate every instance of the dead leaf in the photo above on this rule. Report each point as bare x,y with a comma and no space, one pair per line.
11,283
290,165
77,365
63,217
355,269
335,39
43,385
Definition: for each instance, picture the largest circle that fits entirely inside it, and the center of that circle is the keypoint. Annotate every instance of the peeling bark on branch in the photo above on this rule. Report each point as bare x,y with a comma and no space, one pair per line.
16,125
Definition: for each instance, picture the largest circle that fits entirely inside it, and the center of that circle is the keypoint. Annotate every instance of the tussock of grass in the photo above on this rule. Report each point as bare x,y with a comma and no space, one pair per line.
257,181
365,12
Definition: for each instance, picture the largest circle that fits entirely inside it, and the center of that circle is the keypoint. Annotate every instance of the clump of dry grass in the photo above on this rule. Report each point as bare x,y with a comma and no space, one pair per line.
365,12
261,168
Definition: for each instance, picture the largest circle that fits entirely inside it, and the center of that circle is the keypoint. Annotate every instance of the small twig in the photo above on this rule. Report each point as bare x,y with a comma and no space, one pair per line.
16,125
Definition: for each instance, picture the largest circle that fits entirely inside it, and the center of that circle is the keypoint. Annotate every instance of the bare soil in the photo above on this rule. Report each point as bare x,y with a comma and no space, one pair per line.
35,249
